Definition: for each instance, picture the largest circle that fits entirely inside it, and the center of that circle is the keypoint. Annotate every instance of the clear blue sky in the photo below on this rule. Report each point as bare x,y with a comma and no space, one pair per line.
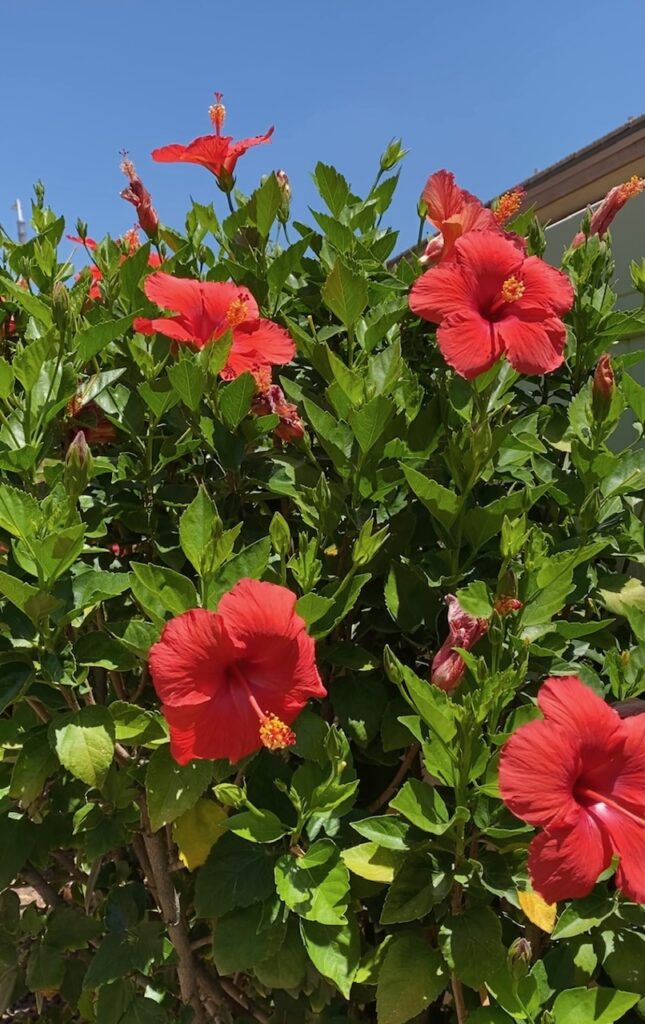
492,90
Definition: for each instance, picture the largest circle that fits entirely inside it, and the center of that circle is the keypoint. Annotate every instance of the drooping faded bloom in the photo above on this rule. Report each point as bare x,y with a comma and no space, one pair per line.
270,399
580,775
491,300
464,631
454,212
603,387
614,201
205,310
218,153
234,680
137,194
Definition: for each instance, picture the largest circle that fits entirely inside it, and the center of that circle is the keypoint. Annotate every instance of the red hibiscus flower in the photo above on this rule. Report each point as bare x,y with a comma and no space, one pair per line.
454,212
580,774
491,300
219,153
270,398
205,310
613,202
464,631
234,680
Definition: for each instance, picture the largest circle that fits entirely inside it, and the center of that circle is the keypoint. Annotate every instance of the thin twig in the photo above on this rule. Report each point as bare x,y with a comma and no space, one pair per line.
33,877
390,790
458,996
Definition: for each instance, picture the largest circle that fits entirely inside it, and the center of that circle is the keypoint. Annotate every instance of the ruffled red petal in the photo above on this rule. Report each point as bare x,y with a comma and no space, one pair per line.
188,664
564,863
442,291
533,347
258,343
537,771
546,290
468,342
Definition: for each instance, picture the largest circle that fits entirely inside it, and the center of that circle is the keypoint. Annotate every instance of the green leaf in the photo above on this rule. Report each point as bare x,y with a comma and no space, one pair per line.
332,186
256,826
265,203
476,945
386,830
412,976
421,804
6,378
198,528
592,1005
334,951
580,916
45,969
287,968
443,504
104,651
345,294
250,563
133,724
94,339
370,422
416,889
627,476
160,590
34,764
315,886
173,788
236,874
625,597
19,512
159,396
344,598
371,861
235,399
30,303
84,743
68,928
625,965
34,603
189,381
476,600
243,939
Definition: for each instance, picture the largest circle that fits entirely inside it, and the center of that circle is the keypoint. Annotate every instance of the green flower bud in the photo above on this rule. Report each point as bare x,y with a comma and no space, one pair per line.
280,535
393,155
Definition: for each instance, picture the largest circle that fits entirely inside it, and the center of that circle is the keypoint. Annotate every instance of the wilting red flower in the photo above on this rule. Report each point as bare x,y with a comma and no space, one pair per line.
205,310
603,387
506,605
464,631
270,399
491,300
93,422
137,194
219,153
580,774
613,202
508,204
234,680
454,212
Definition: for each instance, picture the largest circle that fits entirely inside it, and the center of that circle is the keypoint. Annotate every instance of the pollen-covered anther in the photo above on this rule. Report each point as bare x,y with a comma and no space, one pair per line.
631,188
513,289
217,113
508,205
275,734
236,313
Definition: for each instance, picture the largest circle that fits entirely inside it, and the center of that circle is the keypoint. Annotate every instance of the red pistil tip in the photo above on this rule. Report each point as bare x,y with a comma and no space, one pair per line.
275,734
217,113
236,313
513,289
508,205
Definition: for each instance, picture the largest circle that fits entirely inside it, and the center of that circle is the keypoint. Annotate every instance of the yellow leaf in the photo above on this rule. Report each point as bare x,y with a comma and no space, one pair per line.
197,831
372,861
538,911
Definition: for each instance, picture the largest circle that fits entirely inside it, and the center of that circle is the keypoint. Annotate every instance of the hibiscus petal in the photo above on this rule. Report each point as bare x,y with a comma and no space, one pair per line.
218,297
468,342
178,294
547,289
489,256
258,343
567,702
629,786
443,197
628,839
441,291
241,146
222,728
537,771
168,326
188,663
564,862
533,347
169,154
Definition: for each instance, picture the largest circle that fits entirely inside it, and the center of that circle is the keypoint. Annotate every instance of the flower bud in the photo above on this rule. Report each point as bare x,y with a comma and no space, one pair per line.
60,306
603,388
78,465
392,155
285,189
137,194
280,535
520,954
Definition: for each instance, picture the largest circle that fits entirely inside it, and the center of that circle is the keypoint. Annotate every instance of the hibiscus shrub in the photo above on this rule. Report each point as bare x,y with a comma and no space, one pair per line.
321,611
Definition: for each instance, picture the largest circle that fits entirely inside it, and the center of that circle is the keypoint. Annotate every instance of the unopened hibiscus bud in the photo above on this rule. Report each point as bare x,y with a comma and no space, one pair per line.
60,306
513,536
520,954
229,794
614,201
78,465
137,194
393,155
464,630
422,208
280,535
285,189
506,605
603,388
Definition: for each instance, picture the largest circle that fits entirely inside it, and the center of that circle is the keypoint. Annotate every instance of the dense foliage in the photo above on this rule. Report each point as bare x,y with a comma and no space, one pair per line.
370,870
